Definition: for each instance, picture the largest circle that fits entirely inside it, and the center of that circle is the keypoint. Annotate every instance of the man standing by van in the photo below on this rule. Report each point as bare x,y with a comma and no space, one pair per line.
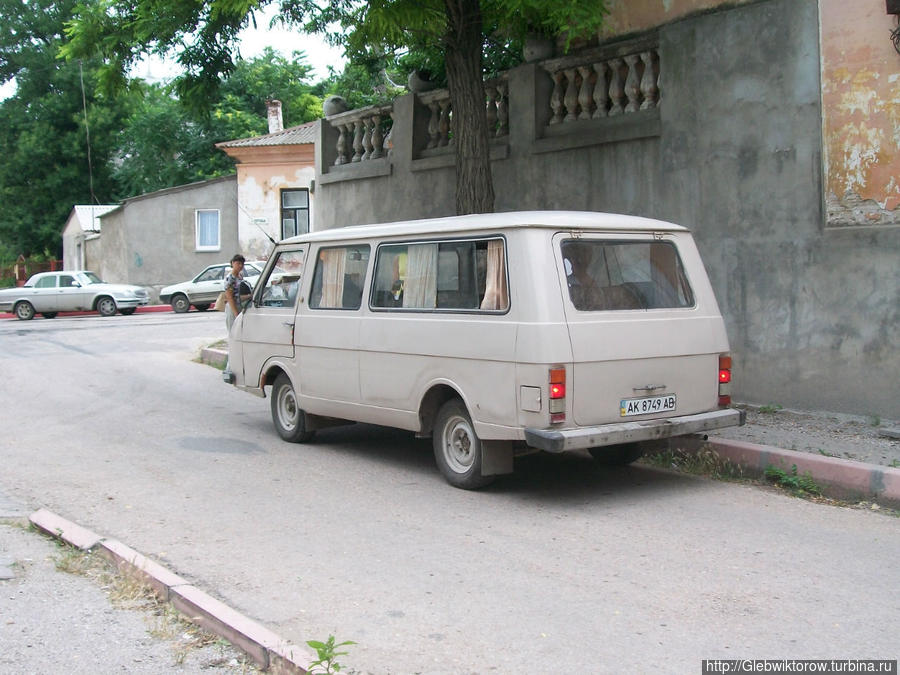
233,280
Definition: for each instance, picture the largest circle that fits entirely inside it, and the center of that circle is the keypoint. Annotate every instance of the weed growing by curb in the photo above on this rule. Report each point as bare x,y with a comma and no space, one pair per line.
327,653
796,484
769,409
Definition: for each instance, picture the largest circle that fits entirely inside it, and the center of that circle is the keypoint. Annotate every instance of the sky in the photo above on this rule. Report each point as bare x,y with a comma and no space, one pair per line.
319,55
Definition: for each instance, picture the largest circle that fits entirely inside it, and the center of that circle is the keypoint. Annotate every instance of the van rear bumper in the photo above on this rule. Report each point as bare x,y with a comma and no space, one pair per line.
562,440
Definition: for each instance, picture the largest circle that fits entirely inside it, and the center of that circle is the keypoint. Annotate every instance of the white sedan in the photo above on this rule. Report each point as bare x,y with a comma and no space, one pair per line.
203,289
49,293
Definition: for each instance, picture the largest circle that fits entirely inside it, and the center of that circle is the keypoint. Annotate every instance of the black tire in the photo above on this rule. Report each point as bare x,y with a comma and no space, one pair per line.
457,448
49,315
127,311
288,417
180,303
202,307
24,311
617,455
106,306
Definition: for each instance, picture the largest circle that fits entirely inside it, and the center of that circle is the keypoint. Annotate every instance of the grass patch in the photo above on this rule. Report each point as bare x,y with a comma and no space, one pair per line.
770,409
797,485
704,462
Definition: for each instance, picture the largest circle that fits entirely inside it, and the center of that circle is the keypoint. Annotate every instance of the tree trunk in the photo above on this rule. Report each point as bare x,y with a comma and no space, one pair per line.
474,183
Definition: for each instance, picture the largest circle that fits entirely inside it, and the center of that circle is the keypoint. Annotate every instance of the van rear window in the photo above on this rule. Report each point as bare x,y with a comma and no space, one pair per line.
452,275
621,275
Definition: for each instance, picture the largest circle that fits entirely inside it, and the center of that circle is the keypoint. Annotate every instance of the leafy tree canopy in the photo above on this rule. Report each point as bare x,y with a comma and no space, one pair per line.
203,34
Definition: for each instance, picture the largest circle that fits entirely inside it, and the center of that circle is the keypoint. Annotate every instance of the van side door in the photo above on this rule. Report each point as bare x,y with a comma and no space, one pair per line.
328,326
266,326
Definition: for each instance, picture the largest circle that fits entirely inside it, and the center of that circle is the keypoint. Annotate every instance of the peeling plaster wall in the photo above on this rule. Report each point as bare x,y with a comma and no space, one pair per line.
861,113
259,189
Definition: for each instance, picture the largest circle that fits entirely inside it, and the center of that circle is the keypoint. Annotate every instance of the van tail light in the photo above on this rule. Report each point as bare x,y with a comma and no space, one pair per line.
724,380
557,388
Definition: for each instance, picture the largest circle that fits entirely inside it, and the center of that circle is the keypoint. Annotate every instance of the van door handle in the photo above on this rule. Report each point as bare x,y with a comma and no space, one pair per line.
649,388
289,324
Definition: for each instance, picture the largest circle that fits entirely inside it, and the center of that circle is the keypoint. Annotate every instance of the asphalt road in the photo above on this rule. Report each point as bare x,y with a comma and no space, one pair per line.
561,567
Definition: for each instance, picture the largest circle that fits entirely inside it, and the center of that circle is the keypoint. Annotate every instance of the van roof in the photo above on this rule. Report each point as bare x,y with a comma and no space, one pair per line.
556,220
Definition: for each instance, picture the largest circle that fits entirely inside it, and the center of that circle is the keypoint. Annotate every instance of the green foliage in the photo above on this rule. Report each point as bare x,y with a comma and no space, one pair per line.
769,409
798,485
327,655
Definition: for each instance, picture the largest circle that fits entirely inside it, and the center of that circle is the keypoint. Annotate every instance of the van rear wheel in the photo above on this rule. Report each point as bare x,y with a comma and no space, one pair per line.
617,455
457,449
288,417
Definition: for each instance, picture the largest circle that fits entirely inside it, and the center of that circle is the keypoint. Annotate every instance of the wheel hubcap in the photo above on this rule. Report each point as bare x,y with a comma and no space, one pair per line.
287,408
458,445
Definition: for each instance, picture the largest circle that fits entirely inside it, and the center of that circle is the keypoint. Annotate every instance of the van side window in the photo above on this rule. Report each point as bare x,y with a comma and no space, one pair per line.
616,275
452,275
283,283
339,277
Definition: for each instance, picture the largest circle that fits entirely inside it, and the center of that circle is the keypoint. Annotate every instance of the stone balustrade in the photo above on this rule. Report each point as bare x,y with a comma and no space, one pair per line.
363,134
440,128
601,84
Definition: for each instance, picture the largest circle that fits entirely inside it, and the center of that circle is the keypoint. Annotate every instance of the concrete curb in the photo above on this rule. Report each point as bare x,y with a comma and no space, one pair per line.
213,357
840,478
268,650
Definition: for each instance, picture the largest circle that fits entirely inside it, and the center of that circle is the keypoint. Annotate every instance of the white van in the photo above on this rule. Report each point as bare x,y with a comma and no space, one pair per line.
496,335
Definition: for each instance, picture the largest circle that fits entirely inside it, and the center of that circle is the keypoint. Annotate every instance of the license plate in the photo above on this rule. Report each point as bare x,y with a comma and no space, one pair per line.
647,405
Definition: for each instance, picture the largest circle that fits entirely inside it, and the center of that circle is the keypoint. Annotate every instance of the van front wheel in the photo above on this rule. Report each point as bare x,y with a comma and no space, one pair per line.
289,418
457,449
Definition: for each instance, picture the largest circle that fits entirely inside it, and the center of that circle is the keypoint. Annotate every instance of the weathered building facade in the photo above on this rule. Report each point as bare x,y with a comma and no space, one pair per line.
769,127
170,235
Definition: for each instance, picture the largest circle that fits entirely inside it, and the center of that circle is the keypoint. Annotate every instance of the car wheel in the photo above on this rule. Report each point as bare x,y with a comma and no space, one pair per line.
106,306
181,304
617,455
127,311
49,315
457,449
202,307
289,418
24,311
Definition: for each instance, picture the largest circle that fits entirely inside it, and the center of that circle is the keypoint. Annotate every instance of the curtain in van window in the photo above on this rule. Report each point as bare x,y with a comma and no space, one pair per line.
420,288
496,295
333,264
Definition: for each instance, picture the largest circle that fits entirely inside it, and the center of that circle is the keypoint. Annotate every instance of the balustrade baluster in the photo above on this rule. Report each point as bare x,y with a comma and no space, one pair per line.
632,84
341,146
434,125
367,139
601,93
584,93
616,91
571,98
556,97
389,138
357,141
649,87
377,138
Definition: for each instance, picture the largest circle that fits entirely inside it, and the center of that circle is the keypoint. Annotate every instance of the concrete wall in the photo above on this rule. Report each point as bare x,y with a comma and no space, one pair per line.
150,240
734,152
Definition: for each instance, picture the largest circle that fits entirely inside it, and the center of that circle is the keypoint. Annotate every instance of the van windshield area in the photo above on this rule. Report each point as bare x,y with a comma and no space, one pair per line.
621,275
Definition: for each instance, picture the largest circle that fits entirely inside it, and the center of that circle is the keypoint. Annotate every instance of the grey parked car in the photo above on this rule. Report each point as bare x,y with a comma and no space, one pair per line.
203,289
49,293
